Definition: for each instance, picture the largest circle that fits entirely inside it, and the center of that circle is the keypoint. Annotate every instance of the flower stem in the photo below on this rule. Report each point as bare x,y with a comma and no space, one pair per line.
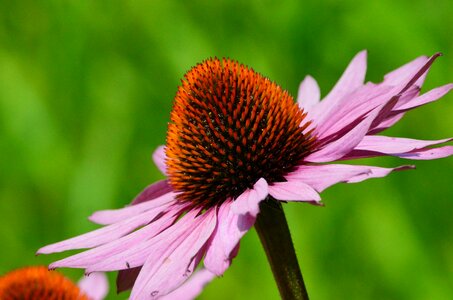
275,237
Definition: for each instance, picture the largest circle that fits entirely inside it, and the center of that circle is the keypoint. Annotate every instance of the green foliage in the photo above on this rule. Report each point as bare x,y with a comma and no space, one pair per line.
86,89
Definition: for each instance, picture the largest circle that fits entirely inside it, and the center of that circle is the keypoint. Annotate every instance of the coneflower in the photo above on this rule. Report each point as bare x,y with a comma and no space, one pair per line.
238,146
38,283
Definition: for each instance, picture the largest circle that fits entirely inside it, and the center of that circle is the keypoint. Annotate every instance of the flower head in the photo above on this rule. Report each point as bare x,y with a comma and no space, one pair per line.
38,283
236,139
229,127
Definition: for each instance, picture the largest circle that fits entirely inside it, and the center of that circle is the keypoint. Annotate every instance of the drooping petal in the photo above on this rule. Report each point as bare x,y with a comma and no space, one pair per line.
342,146
223,245
95,286
159,159
352,78
102,235
293,191
248,202
137,253
309,93
321,177
192,287
112,216
160,275
118,247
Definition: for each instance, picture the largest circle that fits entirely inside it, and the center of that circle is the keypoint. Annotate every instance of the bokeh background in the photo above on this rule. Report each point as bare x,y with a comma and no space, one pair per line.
86,89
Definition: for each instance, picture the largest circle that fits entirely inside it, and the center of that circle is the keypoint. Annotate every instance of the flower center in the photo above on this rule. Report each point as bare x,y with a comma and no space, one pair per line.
38,283
230,126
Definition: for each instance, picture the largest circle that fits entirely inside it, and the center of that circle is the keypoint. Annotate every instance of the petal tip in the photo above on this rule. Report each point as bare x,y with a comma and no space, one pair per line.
438,54
92,218
317,203
43,250
405,167
159,158
361,57
363,53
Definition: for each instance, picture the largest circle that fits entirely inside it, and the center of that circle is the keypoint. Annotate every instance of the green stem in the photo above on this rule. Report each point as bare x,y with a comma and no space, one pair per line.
275,237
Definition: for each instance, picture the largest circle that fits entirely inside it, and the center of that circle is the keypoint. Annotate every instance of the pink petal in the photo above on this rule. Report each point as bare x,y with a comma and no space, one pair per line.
95,286
293,191
192,287
393,145
118,247
223,245
116,215
153,191
411,93
352,78
420,154
137,253
321,177
248,202
418,78
358,104
309,93
102,235
159,158
342,146
377,172
391,120
403,74
161,275
427,97
428,154
411,86
387,116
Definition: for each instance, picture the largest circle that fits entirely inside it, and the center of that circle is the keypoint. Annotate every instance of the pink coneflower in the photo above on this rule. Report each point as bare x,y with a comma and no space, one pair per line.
236,139
38,283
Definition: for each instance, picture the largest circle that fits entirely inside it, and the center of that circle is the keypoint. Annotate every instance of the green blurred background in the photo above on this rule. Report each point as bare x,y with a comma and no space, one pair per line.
86,89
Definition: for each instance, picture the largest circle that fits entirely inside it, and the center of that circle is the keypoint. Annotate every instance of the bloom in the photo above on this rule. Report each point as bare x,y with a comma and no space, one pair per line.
235,139
34,283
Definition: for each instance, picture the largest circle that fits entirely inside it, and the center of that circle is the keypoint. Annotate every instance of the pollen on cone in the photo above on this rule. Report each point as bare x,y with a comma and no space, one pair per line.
229,127
38,283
